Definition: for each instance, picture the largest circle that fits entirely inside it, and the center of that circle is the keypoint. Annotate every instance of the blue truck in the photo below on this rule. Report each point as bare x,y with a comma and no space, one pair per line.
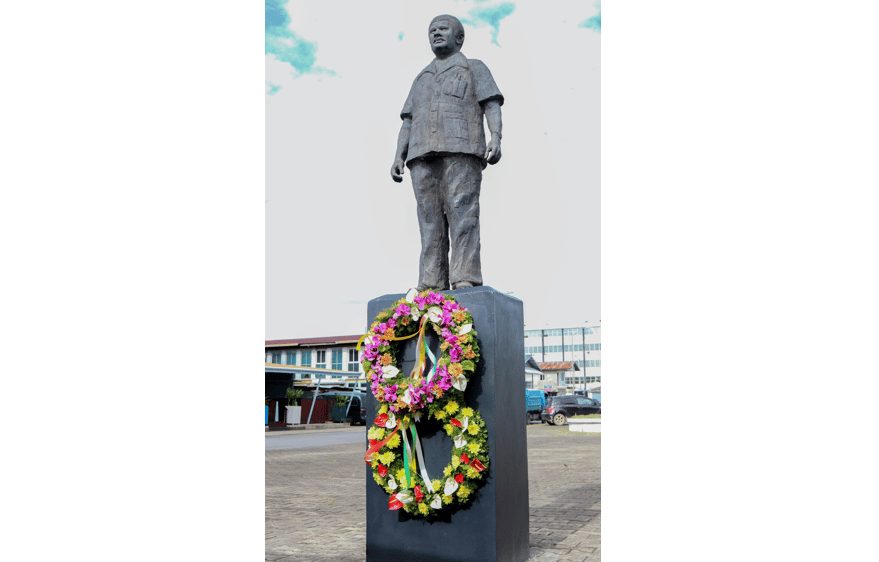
535,402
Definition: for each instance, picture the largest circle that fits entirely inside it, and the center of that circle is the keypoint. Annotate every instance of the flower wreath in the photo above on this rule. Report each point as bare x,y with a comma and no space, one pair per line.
403,398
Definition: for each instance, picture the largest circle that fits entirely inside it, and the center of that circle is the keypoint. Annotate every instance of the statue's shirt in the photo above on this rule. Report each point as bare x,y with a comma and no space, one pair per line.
445,105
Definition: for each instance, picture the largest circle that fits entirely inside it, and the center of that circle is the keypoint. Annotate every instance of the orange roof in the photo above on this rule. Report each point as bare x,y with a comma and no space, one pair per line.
557,366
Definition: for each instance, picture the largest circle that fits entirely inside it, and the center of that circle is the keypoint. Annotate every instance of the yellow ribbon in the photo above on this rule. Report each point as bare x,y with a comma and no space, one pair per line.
392,338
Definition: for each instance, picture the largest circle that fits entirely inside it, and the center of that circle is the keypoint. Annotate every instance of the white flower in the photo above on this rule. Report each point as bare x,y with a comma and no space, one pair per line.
392,421
460,441
407,396
435,314
410,296
450,486
389,371
437,501
459,382
464,329
392,484
367,340
465,421
417,415
405,496
415,313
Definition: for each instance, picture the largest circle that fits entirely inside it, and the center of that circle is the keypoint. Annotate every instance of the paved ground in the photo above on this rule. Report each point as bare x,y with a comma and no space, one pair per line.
326,481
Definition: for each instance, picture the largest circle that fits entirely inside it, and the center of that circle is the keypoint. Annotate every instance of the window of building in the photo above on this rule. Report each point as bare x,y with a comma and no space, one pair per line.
291,357
354,367
276,357
306,358
337,359
353,356
321,360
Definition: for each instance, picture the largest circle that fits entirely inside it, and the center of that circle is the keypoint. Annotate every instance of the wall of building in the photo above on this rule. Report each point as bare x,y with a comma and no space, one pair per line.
580,344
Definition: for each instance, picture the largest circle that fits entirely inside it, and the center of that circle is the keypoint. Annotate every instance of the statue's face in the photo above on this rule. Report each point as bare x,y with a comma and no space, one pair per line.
441,35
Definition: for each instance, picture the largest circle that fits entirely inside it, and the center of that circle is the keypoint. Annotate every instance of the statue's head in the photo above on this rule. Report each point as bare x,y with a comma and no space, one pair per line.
446,35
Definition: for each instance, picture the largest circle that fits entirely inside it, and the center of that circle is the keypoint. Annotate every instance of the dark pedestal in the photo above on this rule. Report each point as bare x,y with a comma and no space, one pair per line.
495,525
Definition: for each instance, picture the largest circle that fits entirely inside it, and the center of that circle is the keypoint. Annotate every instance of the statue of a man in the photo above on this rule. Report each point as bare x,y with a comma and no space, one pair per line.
442,141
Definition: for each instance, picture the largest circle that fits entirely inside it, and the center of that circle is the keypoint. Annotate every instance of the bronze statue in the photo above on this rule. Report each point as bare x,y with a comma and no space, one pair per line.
442,141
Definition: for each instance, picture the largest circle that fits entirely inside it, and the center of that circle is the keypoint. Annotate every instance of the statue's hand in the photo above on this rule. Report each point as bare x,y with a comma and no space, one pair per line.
493,151
397,170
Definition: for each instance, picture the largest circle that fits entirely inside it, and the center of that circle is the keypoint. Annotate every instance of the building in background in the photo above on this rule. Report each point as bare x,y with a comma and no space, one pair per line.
563,360
570,358
332,357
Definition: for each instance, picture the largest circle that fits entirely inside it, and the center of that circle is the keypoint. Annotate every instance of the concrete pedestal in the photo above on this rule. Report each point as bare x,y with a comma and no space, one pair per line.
494,526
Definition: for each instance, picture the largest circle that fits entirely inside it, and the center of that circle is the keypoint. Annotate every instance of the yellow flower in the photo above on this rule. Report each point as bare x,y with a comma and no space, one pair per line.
423,509
469,353
472,472
375,432
467,412
459,316
440,415
447,471
394,441
437,485
386,359
455,369
387,458
444,346
450,429
463,491
456,461
406,421
473,448
383,409
447,499
464,339
472,429
378,479
451,407
401,476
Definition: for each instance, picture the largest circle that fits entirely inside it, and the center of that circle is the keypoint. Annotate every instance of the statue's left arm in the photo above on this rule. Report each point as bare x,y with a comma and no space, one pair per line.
492,109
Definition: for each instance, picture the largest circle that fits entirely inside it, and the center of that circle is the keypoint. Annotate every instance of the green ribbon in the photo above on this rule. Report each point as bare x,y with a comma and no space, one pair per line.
406,460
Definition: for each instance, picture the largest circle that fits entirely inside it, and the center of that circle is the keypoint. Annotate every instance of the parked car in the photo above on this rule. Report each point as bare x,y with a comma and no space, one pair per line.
560,408
342,412
357,411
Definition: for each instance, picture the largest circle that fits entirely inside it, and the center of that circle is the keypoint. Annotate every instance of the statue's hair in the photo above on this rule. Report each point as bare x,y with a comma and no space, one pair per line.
457,26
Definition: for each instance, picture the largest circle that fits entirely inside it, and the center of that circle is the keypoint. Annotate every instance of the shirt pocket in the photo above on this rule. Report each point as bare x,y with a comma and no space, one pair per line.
455,86
455,126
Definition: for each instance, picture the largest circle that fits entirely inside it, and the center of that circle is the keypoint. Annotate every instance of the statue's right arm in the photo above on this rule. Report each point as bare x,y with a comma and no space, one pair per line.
402,150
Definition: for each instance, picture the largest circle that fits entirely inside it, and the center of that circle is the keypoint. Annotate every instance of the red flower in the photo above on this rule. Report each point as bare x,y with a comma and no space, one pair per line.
459,478
477,465
418,494
382,470
393,503
465,459
455,422
372,442
381,420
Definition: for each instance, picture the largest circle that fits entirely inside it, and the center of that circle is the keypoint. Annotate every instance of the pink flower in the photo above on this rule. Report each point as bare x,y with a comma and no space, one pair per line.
402,310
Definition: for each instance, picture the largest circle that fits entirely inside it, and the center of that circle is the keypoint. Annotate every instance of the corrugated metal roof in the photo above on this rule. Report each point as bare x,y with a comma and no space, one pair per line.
558,366
327,340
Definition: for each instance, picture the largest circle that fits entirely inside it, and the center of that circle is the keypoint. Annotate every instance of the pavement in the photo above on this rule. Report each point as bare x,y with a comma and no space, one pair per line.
316,497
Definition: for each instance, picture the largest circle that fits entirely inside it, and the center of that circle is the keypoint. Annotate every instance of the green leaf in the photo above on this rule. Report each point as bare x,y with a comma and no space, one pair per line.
468,365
